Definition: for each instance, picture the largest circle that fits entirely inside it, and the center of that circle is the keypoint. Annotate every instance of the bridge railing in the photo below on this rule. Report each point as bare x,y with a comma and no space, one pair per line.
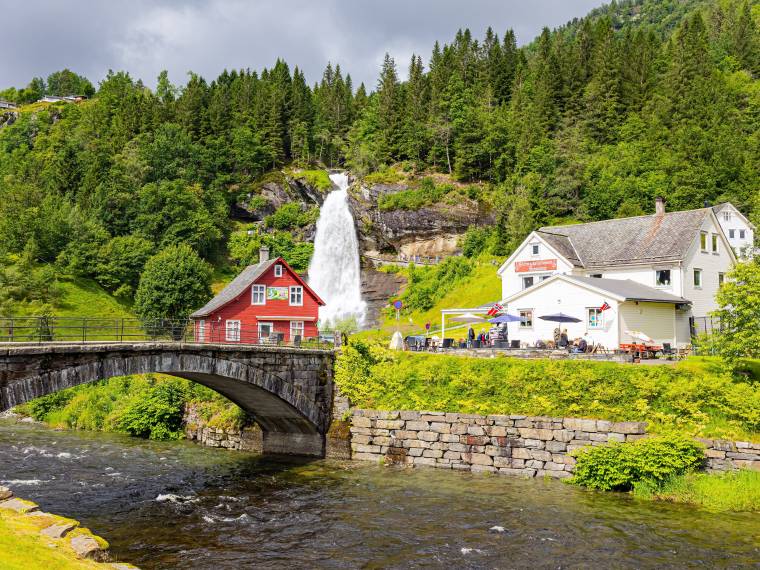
96,329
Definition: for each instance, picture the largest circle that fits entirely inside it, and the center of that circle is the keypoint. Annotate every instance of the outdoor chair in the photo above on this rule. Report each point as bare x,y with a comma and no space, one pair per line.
667,350
514,344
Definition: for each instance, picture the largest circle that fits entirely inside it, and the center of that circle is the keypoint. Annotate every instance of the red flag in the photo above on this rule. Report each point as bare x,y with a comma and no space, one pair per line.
495,310
605,306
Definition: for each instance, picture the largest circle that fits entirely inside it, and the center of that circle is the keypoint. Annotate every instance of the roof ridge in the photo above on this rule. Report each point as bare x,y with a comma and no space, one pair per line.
545,228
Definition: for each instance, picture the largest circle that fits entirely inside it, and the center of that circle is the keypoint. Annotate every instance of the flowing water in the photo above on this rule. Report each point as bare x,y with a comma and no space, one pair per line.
178,505
334,271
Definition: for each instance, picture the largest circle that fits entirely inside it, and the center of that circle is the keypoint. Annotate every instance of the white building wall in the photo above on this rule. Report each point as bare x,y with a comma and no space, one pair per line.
656,320
571,299
511,281
711,264
644,274
733,225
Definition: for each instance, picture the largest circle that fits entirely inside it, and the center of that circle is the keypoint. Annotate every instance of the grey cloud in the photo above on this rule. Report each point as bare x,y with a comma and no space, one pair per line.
144,37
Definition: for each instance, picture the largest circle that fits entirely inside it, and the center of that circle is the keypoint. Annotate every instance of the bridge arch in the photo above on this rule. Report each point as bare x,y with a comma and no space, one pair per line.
287,391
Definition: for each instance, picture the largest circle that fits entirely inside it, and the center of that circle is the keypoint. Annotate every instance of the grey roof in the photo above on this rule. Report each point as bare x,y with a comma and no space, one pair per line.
235,288
630,290
654,238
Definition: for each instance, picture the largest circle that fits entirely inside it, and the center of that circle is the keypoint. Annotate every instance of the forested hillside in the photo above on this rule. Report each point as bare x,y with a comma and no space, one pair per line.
593,120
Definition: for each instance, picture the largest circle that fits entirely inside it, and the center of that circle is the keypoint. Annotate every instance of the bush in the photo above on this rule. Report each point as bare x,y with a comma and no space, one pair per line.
426,194
620,466
476,241
427,285
120,262
158,415
174,283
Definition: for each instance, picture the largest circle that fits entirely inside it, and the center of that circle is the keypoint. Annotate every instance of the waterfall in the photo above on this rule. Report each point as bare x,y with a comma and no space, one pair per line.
334,271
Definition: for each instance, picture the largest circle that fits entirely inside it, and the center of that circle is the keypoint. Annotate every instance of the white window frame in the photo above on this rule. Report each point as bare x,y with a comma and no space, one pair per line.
270,324
742,234
732,234
297,330
658,285
201,330
257,290
697,272
528,325
531,277
599,319
544,277
535,249
298,291
232,333
703,242
714,243
721,278
727,216
278,270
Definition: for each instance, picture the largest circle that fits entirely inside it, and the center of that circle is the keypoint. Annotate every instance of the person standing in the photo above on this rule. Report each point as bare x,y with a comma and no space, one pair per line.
470,337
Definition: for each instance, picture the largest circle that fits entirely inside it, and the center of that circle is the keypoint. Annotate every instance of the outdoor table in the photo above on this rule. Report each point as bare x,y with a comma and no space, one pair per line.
641,350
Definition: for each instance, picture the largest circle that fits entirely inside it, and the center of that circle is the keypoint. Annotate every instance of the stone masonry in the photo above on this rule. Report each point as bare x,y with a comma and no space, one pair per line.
512,445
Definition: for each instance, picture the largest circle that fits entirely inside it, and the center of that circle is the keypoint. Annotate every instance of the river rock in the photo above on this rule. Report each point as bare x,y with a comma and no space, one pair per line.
5,493
19,505
87,547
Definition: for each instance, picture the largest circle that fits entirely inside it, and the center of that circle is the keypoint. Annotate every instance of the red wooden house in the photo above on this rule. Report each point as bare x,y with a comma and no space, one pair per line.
266,302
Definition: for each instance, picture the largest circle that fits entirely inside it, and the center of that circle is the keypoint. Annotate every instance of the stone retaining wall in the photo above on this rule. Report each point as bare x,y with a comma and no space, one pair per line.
248,438
513,445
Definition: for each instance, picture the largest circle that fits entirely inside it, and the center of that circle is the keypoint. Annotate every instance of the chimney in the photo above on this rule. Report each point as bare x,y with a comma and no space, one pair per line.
659,205
263,254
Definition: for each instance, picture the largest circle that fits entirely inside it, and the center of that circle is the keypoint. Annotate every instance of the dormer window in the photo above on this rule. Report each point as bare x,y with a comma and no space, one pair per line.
258,295
278,270
534,249
727,216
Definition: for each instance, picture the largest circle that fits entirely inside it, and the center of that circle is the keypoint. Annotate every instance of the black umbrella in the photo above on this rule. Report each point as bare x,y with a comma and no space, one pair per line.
560,318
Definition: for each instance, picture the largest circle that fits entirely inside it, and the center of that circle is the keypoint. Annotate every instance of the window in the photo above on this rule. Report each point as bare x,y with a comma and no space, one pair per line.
596,275
534,249
265,331
595,318
296,329
278,270
703,241
662,278
714,243
259,295
544,277
296,295
741,234
526,314
721,278
201,331
527,282
698,278
232,331
731,233
727,216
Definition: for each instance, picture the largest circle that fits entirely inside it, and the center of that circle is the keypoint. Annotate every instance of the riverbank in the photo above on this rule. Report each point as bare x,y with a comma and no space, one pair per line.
31,539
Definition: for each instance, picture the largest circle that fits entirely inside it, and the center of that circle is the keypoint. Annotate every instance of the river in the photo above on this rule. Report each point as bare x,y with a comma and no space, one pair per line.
179,505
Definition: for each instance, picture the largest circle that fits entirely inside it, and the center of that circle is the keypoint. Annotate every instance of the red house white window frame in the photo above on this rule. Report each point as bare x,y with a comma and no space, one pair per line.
296,296
232,330
258,294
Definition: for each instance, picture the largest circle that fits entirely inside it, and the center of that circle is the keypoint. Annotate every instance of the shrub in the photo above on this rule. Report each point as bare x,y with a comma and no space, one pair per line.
158,415
286,217
426,194
120,262
476,241
427,285
620,466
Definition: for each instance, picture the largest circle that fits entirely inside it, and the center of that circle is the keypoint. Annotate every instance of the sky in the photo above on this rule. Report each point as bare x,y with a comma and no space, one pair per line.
206,36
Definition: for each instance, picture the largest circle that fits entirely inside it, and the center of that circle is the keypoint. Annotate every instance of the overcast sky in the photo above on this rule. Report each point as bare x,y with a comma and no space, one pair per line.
146,36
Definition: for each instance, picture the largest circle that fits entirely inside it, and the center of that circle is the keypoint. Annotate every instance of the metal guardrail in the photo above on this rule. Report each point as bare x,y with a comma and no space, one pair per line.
95,329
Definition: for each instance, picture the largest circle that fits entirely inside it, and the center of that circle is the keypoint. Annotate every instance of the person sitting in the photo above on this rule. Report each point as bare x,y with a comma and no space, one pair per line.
563,340
581,346
540,344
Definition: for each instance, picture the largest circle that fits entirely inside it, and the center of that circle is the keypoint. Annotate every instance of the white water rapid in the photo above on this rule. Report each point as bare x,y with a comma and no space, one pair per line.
334,271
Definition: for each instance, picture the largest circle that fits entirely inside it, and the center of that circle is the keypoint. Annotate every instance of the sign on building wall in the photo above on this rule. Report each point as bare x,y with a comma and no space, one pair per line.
537,265
277,293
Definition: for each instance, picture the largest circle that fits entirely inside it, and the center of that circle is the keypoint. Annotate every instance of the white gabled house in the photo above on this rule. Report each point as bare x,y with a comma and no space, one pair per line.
659,273
738,229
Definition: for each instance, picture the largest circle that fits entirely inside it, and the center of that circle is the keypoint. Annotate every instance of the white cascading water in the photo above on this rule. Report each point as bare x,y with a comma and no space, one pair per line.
334,271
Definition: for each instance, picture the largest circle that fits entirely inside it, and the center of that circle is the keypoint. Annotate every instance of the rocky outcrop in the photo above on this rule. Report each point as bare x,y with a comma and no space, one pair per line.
430,231
378,288
276,190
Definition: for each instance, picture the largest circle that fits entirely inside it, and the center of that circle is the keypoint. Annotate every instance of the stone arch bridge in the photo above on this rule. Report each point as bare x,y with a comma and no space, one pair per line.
288,391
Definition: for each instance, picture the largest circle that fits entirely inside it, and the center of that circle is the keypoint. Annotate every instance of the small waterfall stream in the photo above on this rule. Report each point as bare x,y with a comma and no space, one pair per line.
334,271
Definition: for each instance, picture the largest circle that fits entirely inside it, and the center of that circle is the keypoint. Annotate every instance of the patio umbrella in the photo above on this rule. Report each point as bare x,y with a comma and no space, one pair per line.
560,318
468,318
505,318
640,336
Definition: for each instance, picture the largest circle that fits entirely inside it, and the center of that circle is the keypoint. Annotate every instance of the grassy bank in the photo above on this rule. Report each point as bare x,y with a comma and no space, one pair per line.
724,492
22,547
697,397
150,406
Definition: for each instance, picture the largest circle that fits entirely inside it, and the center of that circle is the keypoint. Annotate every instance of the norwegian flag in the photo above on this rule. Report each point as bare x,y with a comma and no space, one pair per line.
495,310
605,306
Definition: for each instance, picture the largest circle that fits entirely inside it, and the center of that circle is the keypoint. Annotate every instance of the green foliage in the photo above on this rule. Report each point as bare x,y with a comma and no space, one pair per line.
120,262
426,194
696,397
156,416
476,241
385,175
175,282
621,466
739,313
290,216
318,179
737,491
426,285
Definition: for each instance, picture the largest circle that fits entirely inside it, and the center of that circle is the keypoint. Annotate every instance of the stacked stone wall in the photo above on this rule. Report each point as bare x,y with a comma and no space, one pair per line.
512,445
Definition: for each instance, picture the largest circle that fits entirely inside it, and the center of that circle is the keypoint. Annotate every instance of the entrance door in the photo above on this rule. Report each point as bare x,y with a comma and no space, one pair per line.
265,331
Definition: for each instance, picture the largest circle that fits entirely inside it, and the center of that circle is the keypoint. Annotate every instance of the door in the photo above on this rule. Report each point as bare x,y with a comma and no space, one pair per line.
265,331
